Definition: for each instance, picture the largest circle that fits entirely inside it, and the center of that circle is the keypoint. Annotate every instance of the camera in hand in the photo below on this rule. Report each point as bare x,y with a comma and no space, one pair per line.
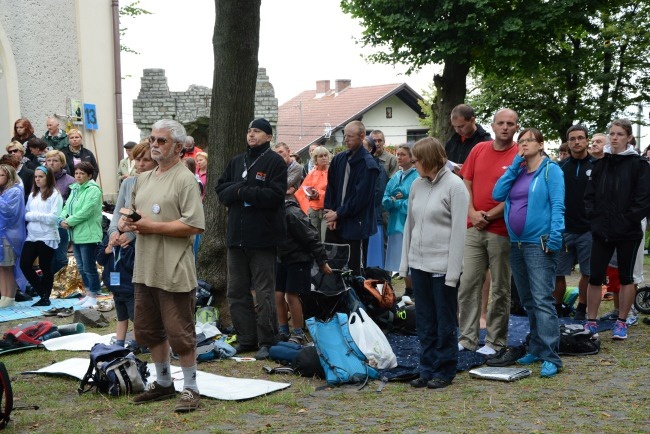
130,214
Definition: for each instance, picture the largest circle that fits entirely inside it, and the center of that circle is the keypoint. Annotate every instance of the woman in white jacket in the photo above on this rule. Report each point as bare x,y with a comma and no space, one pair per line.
41,212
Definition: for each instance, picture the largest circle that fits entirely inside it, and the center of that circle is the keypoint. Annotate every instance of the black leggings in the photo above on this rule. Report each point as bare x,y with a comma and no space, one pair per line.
601,254
40,250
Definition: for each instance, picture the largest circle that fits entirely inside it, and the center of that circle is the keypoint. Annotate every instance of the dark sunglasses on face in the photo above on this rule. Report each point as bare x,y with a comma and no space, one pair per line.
161,140
13,151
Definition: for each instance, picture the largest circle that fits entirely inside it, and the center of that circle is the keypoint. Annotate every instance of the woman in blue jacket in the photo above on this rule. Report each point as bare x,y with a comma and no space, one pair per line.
395,202
533,189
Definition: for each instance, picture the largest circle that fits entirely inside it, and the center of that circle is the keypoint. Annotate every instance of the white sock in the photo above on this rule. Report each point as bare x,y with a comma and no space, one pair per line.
487,351
460,347
164,374
189,378
90,301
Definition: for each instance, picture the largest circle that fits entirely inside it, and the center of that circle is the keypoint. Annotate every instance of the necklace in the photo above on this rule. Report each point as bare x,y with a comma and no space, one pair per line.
246,168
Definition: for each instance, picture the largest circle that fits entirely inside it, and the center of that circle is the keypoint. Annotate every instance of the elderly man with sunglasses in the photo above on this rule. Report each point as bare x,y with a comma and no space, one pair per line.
168,216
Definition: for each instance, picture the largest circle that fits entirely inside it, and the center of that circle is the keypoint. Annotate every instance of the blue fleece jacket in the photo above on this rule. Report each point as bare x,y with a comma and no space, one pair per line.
545,212
397,208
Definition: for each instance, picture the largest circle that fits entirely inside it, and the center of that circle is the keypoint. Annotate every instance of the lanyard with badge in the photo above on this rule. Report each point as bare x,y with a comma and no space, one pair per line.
115,275
244,174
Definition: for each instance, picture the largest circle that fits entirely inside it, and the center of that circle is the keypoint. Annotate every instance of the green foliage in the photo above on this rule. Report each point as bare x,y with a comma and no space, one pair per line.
131,10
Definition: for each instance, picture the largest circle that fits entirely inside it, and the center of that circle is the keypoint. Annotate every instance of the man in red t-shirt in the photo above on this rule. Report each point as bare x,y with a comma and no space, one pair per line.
189,149
487,243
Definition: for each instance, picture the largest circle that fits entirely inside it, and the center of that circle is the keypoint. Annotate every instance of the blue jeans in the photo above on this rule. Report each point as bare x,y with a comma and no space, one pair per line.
435,315
85,256
61,254
534,274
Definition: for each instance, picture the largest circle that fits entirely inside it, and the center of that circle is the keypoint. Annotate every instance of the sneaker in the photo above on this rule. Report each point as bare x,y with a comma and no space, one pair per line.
620,331
610,316
592,327
438,383
580,316
155,392
42,302
188,401
549,369
262,353
507,356
419,383
486,351
632,317
66,311
528,359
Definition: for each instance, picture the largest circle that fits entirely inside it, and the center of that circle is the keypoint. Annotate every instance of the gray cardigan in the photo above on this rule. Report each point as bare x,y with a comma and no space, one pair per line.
436,223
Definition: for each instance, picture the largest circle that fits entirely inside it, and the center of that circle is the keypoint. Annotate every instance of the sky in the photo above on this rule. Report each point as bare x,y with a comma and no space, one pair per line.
301,41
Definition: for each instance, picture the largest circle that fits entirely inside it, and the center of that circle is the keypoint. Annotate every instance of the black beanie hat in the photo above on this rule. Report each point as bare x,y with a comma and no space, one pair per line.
262,124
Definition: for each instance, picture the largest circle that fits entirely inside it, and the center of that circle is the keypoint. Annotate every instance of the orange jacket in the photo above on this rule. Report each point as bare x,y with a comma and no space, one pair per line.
317,179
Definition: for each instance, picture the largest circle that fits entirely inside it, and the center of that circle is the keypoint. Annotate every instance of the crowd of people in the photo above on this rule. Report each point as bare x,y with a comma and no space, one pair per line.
456,221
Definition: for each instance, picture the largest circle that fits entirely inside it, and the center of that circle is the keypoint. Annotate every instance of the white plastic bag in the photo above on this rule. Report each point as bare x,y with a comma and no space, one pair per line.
371,341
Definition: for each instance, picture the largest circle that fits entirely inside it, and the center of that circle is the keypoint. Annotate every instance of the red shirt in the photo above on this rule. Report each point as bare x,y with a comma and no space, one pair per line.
192,154
483,167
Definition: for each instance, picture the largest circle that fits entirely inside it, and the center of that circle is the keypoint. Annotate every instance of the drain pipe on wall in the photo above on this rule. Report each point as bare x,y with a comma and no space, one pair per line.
115,7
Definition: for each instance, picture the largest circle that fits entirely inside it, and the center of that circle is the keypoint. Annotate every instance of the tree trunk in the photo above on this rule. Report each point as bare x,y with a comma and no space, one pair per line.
450,91
236,42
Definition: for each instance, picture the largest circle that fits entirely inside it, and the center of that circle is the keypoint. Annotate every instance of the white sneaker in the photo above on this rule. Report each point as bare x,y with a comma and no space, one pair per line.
486,351
81,301
89,303
632,317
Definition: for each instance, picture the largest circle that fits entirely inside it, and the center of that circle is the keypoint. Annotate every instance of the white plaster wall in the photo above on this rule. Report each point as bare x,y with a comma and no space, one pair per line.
96,72
9,100
394,129
43,40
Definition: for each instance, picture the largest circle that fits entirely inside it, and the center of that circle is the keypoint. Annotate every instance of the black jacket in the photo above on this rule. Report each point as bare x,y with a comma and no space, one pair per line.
302,243
576,177
124,266
617,197
84,155
256,203
458,151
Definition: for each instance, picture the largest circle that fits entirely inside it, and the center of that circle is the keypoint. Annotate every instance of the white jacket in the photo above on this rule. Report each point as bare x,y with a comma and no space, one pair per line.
41,217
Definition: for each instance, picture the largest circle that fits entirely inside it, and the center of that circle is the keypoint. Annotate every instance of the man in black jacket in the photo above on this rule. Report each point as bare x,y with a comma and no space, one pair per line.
467,134
577,234
253,188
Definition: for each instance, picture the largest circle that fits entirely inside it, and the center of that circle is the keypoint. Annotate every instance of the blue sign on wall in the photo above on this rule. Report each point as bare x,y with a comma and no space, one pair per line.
90,117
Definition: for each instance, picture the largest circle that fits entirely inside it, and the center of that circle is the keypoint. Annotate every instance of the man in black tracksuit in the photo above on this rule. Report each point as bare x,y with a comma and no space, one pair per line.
577,234
253,188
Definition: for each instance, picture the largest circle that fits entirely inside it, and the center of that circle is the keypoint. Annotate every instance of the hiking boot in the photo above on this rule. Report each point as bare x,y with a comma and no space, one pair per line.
592,327
612,315
632,317
549,370
620,331
507,356
438,383
528,359
262,353
297,339
155,392
188,401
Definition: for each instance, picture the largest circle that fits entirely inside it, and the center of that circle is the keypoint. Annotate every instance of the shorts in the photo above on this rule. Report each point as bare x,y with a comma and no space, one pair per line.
9,258
577,249
293,278
124,306
161,315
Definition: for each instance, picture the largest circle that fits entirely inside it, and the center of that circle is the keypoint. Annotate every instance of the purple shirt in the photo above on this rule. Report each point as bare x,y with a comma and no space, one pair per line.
519,202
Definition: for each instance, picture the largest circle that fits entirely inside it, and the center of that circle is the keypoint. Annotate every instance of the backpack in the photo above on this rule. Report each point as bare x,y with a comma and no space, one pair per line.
576,341
341,359
7,393
379,306
32,333
114,370
208,315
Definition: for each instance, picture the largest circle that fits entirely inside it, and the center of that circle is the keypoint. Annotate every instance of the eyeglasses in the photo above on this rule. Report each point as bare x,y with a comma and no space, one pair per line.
161,140
413,161
13,151
523,141
577,139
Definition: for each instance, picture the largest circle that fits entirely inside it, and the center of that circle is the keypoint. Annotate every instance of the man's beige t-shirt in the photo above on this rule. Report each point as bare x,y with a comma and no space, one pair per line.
162,261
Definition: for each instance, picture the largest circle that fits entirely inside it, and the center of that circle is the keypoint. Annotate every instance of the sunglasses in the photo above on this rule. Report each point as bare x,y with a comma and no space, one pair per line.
160,140
13,151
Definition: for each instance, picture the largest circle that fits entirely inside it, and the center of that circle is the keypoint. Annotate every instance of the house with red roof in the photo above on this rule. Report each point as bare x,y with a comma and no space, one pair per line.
319,115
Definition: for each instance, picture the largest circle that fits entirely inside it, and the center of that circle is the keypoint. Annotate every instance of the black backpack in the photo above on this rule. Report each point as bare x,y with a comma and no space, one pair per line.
114,370
7,394
576,341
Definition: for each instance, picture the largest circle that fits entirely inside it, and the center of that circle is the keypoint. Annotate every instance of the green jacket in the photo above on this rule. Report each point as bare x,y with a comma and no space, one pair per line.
83,213
57,142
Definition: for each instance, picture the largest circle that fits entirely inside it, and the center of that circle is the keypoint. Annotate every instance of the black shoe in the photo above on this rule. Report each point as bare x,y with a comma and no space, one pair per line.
419,383
438,383
42,302
646,320
507,356
21,296
263,353
240,348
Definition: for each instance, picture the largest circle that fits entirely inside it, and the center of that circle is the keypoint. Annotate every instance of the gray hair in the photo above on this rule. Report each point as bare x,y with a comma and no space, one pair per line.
189,140
174,127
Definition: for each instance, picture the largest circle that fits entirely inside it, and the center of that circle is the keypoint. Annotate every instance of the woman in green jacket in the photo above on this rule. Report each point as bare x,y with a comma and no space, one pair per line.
82,217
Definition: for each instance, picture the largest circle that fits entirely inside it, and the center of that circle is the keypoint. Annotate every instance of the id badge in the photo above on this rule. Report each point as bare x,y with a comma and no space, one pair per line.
115,278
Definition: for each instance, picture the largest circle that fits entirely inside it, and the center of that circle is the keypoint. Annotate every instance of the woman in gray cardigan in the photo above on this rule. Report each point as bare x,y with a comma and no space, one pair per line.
434,240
